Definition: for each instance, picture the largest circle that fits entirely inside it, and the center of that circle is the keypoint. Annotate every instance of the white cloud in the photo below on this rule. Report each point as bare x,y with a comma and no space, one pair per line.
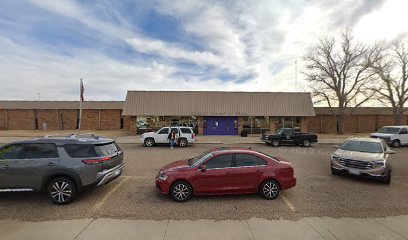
172,51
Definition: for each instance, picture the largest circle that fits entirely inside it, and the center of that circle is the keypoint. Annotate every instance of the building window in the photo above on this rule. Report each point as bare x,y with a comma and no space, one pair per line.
121,122
256,125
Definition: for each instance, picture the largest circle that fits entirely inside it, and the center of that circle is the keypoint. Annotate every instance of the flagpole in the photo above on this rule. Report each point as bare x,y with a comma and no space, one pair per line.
81,99
80,116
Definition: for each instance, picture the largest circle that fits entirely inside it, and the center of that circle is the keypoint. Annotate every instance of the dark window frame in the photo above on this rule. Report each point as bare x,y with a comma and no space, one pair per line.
217,156
10,145
76,144
159,132
190,131
258,160
24,150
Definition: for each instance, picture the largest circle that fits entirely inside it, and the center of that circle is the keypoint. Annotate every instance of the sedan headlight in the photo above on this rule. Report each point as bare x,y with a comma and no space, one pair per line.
335,157
162,176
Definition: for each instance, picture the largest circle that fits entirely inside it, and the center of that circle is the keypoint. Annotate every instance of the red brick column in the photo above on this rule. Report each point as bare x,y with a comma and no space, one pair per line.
132,126
304,125
240,125
272,125
200,122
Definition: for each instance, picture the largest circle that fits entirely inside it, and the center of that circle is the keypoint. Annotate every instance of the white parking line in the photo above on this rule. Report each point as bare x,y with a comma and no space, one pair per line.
291,207
108,195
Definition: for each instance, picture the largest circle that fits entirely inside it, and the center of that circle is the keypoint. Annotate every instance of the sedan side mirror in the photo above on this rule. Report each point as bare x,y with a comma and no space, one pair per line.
389,152
203,168
336,146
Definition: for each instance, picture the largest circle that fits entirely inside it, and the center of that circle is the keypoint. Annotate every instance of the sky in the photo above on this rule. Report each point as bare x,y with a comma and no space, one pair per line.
46,46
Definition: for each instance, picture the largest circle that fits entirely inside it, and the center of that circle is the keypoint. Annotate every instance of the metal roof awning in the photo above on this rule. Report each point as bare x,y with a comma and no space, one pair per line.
202,103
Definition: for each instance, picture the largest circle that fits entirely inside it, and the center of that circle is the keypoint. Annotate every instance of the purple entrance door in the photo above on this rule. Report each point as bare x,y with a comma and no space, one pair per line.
220,126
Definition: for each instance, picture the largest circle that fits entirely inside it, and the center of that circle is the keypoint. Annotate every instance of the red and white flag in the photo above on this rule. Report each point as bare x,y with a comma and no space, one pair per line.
81,86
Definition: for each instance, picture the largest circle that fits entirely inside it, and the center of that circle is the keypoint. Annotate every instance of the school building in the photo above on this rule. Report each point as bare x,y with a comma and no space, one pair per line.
210,113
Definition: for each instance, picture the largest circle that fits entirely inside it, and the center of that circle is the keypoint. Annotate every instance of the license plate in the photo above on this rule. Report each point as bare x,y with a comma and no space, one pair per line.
354,171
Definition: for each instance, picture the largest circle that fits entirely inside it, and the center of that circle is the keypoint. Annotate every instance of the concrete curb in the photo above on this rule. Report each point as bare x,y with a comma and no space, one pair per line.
255,228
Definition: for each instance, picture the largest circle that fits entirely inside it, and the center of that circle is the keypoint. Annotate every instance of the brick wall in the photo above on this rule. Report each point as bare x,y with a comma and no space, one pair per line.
68,119
383,120
126,122
21,119
367,123
329,124
2,119
110,119
313,124
48,116
350,124
90,119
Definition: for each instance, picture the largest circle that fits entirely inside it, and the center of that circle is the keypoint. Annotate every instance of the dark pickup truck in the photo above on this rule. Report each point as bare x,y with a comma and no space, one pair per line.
289,136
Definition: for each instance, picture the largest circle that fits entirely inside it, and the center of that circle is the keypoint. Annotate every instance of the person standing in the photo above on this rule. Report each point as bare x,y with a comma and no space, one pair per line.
172,138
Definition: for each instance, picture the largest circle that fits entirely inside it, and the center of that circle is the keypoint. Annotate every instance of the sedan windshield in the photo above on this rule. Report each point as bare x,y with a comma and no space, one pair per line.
200,158
389,130
362,146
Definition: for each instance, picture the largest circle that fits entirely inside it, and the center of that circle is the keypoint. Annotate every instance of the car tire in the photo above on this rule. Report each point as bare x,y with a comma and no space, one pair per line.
306,143
396,143
334,171
181,191
387,178
269,189
61,190
275,143
182,142
149,142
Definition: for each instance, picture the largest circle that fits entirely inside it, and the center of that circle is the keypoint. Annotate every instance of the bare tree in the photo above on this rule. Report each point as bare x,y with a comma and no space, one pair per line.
339,72
392,90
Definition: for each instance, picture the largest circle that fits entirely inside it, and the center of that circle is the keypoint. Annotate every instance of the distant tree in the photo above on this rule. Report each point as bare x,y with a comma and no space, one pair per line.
392,70
339,72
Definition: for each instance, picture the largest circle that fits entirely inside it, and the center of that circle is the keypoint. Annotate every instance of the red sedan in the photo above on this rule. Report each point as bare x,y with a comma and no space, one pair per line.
226,171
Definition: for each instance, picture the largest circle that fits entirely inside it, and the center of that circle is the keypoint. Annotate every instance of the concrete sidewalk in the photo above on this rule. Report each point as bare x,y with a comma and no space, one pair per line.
306,228
122,137
235,139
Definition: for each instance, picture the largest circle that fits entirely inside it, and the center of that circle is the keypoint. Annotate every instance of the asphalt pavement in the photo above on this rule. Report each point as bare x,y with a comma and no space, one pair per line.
133,196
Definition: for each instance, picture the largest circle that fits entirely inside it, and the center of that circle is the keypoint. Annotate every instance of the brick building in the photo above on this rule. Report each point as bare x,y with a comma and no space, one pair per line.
218,113
62,115
211,112
361,120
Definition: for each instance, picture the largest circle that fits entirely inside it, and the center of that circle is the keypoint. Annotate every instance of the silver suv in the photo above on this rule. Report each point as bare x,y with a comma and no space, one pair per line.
368,157
60,166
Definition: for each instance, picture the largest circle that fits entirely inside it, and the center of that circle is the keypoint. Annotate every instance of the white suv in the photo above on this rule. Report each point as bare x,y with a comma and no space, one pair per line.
393,135
185,136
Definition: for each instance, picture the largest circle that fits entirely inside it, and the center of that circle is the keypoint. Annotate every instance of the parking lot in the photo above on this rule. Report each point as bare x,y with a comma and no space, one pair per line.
133,196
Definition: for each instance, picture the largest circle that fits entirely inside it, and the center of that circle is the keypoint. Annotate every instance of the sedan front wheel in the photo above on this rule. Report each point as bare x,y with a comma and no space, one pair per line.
181,191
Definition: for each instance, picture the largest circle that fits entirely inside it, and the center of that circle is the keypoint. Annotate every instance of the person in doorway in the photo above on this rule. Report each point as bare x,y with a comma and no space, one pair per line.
172,138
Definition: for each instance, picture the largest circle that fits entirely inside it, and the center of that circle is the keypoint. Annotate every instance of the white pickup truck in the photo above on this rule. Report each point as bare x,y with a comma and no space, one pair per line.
185,136
394,135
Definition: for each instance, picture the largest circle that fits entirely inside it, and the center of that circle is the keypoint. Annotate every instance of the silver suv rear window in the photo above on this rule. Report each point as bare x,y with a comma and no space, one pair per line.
80,150
106,149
